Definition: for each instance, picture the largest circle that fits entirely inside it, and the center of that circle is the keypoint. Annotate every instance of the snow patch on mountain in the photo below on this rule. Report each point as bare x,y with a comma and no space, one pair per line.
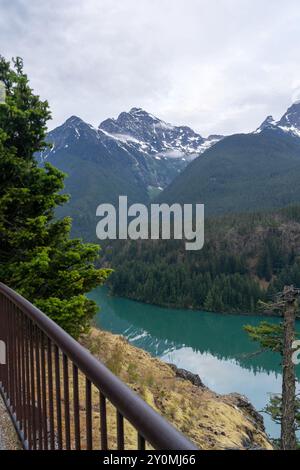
289,123
290,130
156,137
268,123
121,137
155,150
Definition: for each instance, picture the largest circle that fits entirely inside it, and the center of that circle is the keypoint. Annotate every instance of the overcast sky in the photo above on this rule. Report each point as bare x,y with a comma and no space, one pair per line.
219,66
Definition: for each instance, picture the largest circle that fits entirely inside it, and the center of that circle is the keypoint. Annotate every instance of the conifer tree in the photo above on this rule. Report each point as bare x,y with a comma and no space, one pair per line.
37,256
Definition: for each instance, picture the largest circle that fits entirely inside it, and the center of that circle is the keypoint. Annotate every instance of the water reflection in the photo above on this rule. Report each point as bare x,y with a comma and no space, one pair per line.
211,345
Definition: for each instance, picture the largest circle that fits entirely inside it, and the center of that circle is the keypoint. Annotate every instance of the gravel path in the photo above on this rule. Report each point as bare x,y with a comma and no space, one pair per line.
8,436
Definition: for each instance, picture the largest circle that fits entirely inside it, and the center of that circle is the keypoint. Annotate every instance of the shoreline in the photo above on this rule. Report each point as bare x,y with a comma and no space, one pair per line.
267,313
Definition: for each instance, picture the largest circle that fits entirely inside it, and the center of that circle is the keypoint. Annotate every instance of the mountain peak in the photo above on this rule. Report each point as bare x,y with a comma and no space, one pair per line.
290,121
154,136
138,111
268,123
71,130
142,114
137,131
294,108
74,120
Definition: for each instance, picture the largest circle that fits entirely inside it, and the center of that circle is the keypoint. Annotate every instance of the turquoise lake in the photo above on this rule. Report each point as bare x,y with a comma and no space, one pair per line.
212,345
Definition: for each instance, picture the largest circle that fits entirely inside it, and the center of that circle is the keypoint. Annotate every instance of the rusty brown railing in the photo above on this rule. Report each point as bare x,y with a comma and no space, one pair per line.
59,396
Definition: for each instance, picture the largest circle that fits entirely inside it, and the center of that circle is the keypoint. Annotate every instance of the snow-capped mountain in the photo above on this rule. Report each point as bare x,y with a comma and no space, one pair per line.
137,155
136,131
289,123
152,136
245,172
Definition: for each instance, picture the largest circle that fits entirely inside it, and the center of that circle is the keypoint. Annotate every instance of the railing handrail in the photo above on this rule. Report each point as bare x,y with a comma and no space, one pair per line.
153,427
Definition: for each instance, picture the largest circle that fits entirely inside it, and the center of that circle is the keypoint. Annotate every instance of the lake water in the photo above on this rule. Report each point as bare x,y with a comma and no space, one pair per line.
212,345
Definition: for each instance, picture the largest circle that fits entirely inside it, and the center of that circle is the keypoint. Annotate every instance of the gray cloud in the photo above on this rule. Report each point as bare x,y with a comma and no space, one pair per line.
219,66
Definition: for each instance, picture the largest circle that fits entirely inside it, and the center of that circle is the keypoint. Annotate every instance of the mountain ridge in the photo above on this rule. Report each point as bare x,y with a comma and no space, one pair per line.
245,172
145,158
288,123
145,132
137,155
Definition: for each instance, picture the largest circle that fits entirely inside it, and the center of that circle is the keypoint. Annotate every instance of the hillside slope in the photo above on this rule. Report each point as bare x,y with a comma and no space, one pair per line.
245,172
210,420
245,258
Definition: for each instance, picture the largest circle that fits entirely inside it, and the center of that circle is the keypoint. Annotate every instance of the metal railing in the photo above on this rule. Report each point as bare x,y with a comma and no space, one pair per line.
59,396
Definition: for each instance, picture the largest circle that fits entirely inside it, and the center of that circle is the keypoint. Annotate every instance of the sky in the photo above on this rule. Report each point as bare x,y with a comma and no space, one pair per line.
218,66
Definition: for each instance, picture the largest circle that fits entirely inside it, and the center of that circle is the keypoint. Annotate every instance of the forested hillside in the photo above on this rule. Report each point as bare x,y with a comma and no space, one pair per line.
245,258
244,172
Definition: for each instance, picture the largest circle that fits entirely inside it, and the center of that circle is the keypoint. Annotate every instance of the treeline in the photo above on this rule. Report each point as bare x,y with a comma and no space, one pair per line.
246,258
